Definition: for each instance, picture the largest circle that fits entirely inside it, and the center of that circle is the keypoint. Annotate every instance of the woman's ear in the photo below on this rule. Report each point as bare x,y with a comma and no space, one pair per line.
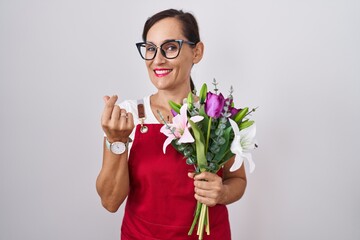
198,52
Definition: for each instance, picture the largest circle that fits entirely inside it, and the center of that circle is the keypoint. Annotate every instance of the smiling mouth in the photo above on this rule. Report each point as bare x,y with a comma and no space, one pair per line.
162,72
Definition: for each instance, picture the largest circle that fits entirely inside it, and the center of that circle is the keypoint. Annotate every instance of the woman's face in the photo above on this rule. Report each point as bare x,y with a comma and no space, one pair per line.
170,74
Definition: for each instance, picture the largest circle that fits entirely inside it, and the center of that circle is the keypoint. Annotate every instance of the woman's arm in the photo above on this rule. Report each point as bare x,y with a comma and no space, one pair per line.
216,190
112,183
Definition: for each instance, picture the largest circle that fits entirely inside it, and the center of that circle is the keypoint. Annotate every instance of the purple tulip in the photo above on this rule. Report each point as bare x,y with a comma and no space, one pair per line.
214,104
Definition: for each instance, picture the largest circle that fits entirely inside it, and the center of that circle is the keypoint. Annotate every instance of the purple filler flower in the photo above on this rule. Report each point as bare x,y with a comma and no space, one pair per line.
233,111
214,104
173,112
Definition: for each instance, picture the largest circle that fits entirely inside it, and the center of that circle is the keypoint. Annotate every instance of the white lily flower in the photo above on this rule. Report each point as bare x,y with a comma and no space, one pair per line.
243,142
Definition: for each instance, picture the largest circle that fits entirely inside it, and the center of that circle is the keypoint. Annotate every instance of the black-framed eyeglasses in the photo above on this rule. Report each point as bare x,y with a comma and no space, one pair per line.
169,49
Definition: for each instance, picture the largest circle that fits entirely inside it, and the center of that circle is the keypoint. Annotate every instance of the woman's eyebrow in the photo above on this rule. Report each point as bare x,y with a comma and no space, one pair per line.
166,40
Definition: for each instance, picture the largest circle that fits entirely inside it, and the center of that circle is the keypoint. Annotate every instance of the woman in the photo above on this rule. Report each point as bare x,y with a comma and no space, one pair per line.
161,189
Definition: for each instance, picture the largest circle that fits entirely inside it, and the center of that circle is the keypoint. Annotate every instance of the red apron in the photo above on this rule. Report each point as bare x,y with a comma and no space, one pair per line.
161,202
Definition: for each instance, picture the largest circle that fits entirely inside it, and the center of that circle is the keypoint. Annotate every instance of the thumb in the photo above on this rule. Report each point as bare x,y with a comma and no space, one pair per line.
191,174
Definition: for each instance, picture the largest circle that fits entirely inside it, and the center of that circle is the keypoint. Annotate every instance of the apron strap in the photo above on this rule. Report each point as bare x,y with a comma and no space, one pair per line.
141,115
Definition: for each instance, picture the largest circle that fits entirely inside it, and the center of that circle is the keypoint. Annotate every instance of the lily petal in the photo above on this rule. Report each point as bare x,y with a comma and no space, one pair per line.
196,118
248,157
183,115
248,138
186,137
166,131
167,142
243,141
234,126
238,151
237,163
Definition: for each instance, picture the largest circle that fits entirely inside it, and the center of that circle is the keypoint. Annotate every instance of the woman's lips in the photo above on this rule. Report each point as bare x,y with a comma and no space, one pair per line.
161,72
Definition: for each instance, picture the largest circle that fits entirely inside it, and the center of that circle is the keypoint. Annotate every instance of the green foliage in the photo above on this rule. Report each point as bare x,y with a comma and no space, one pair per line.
200,146
176,107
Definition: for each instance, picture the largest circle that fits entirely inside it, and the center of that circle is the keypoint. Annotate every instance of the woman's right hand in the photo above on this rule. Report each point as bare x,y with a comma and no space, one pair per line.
115,121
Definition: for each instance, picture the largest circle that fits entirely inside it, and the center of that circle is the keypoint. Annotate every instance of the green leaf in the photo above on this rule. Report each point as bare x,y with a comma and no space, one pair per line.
245,124
202,112
176,107
227,157
225,147
200,146
190,101
203,92
204,123
240,115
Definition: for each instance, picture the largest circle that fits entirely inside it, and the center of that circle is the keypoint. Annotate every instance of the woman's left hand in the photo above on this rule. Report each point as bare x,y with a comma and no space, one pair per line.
209,188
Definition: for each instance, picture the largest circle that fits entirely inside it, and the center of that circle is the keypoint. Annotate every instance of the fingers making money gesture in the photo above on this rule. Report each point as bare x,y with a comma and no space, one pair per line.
115,121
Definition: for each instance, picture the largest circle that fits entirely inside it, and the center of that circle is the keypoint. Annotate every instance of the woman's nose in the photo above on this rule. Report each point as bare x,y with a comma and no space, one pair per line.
159,58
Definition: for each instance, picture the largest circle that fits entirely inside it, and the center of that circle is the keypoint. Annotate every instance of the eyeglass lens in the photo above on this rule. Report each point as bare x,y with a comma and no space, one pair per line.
168,49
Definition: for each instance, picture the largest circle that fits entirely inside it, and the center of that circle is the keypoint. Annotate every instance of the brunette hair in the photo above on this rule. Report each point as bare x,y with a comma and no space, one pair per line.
190,27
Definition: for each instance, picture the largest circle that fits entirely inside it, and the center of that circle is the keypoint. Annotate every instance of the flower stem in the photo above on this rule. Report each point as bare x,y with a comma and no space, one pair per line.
202,221
208,135
165,123
207,221
196,217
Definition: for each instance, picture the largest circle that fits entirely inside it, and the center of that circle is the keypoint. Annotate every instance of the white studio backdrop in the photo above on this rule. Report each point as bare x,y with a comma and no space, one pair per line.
298,61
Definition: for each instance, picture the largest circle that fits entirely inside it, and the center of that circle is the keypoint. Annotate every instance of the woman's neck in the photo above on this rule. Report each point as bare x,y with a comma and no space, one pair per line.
159,102
162,98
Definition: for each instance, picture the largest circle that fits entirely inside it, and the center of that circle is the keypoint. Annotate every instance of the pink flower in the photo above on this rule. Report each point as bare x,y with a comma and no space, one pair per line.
214,104
179,129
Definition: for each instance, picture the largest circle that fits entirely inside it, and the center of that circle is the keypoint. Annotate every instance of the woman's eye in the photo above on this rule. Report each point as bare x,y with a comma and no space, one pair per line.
150,49
171,48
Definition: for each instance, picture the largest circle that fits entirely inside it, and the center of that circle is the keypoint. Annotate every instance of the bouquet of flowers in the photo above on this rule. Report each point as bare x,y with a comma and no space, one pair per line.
209,132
